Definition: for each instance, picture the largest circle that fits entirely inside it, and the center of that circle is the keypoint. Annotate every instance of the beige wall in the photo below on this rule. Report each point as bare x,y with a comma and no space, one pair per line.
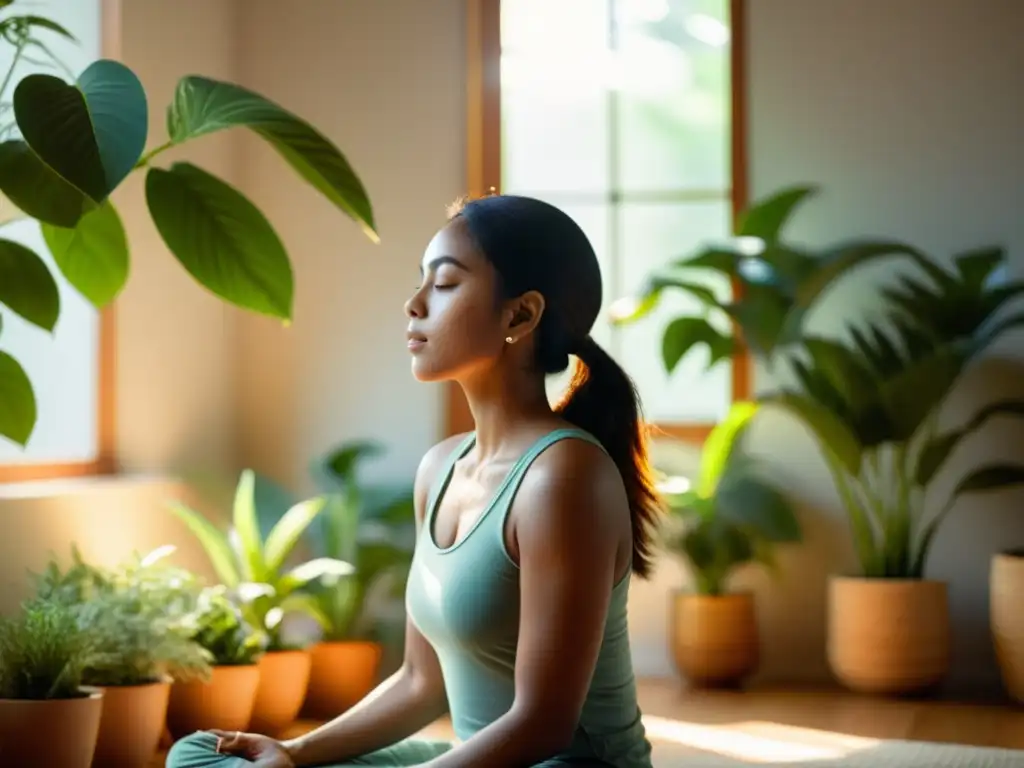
905,115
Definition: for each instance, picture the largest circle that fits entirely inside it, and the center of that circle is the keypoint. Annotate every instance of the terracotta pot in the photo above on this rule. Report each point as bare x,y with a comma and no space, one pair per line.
714,639
56,732
1006,608
224,702
131,726
284,676
341,674
888,636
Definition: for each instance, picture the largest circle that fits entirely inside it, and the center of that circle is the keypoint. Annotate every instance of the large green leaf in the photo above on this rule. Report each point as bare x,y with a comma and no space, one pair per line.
685,333
766,218
719,446
38,190
17,401
202,105
216,544
221,239
91,133
26,285
247,527
93,256
289,529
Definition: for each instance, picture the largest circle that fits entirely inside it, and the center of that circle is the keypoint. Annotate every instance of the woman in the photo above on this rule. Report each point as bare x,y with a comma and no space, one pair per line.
529,528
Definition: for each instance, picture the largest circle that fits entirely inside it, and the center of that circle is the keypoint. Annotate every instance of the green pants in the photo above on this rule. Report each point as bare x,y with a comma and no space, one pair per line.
199,751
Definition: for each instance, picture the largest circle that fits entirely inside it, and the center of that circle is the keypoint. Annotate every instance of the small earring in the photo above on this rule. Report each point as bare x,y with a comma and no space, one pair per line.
509,340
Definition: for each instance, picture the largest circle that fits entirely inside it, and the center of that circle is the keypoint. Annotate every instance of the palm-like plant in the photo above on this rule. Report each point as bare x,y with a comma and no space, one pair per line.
873,401
732,516
256,570
873,404
775,284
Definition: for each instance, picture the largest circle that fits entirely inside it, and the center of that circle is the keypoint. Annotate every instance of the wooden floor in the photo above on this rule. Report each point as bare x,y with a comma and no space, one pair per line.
782,716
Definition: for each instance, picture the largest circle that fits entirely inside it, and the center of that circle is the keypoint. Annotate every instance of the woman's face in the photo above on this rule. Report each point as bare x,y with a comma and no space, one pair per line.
457,326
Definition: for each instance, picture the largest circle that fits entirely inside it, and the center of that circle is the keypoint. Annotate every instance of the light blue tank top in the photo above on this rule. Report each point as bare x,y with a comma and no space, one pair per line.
465,601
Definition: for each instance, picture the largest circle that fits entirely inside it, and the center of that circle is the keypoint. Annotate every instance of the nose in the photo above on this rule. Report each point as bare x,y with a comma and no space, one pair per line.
414,306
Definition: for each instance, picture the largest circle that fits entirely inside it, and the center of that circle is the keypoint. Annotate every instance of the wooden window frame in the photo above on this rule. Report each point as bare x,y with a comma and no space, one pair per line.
483,164
105,462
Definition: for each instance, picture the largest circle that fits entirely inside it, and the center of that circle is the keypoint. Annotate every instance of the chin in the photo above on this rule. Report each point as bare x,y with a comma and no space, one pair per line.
425,373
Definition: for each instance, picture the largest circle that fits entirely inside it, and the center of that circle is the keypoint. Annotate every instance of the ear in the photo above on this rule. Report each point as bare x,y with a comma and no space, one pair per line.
523,314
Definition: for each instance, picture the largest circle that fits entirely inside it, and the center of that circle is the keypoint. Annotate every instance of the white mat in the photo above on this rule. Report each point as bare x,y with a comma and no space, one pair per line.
680,745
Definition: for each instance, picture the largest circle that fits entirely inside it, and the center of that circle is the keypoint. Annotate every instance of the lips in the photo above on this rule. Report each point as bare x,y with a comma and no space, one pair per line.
415,341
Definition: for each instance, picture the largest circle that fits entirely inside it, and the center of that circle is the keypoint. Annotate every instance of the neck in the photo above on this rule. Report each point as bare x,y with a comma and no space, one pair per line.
500,403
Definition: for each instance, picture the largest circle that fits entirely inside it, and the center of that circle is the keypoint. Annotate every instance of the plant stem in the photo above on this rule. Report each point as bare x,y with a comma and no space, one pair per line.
10,72
145,159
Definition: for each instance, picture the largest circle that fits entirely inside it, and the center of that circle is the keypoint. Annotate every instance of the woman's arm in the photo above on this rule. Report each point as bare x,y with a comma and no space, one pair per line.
406,702
570,515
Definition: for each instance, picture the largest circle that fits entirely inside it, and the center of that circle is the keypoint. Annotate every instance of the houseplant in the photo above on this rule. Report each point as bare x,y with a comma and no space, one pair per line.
225,699
70,146
873,403
732,517
1006,585
47,717
374,529
257,572
133,614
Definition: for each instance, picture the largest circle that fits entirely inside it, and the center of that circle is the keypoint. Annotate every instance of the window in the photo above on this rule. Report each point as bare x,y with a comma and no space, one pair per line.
627,115
71,369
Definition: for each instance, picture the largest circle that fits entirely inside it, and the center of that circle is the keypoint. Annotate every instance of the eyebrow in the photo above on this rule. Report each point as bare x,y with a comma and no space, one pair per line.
435,263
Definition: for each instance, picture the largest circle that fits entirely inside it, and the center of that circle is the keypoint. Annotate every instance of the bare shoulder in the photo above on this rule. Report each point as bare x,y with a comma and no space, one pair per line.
430,466
572,483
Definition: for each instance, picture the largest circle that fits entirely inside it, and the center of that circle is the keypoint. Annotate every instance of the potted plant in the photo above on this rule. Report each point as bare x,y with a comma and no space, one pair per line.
257,572
224,699
66,146
133,615
872,402
47,717
1006,585
374,529
730,518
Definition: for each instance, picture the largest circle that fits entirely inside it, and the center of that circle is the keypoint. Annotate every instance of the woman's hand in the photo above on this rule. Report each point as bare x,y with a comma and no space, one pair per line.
264,751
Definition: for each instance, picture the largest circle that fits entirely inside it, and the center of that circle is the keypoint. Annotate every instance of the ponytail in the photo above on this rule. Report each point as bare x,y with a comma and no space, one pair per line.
603,401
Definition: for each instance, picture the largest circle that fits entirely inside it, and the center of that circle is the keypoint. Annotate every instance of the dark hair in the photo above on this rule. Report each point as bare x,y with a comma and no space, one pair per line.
534,246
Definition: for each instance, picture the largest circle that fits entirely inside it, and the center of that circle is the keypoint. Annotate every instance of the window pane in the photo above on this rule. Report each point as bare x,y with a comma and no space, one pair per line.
674,97
554,104
651,235
594,219
63,367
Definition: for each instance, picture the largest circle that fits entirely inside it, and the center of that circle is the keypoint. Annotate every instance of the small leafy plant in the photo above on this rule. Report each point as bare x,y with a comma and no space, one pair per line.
733,516
372,528
218,625
134,616
43,652
254,569
65,148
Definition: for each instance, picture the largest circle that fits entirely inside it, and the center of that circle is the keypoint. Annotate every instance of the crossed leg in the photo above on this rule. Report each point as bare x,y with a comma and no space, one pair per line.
200,751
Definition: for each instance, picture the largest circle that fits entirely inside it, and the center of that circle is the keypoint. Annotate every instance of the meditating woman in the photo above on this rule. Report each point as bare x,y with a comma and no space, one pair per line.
530,527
